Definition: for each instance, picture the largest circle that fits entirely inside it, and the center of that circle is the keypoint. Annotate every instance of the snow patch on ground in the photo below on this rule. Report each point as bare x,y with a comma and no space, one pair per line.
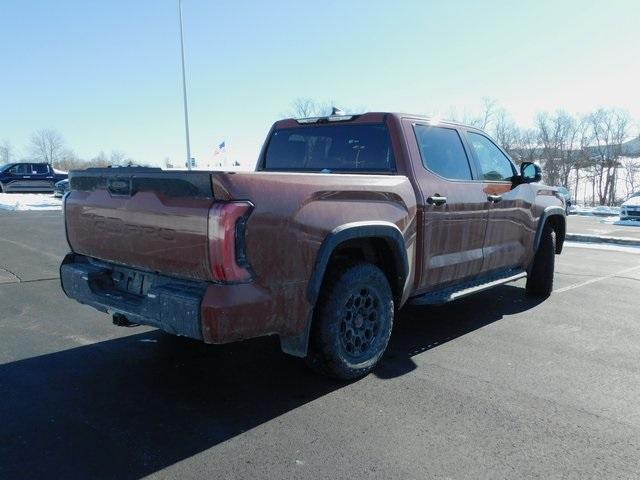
29,201
598,211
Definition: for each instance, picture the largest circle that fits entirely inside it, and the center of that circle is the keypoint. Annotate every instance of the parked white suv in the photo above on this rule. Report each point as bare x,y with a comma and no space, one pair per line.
630,210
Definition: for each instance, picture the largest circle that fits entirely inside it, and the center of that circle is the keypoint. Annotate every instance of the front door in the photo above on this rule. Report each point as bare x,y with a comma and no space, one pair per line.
454,208
19,177
511,227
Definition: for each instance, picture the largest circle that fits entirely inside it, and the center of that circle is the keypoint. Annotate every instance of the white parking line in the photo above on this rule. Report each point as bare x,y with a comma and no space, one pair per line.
603,246
597,279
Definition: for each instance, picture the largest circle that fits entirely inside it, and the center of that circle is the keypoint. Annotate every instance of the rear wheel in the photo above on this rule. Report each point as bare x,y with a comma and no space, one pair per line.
353,322
540,278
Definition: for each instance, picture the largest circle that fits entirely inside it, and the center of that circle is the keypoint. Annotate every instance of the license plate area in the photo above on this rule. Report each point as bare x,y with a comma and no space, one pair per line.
132,282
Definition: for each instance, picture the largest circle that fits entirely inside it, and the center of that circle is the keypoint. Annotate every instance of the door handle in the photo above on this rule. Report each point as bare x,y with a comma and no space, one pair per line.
436,200
494,198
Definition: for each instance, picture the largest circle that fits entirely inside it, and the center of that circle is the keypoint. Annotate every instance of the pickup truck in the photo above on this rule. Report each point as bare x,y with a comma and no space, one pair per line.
346,219
29,177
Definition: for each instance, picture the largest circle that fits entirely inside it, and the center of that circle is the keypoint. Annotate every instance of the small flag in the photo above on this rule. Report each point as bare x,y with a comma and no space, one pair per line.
219,149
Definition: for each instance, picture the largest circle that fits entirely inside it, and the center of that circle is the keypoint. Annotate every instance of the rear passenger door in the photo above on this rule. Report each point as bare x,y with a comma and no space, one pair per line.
511,226
42,177
454,207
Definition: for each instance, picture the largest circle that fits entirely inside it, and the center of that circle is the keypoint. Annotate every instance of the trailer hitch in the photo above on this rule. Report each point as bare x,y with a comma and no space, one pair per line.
122,321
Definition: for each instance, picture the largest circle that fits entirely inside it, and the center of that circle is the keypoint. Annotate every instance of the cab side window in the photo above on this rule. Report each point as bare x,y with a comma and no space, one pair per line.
494,165
442,152
20,169
40,168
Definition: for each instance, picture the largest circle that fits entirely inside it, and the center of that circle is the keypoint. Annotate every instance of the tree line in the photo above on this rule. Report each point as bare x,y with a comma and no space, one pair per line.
49,146
594,154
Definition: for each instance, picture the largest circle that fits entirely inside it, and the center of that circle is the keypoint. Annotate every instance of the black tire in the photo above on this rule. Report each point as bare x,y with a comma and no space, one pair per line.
353,322
540,278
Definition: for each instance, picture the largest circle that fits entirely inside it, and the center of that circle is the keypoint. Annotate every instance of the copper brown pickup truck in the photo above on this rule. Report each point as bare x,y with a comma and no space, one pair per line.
346,219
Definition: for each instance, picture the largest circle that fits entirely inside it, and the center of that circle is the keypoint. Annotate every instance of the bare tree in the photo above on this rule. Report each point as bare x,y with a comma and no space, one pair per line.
506,132
582,160
100,160
46,146
548,134
303,107
559,135
6,152
119,158
480,119
631,174
610,129
525,148
69,160
488,112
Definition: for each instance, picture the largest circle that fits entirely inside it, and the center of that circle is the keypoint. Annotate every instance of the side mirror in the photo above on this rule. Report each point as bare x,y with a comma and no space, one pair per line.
530,172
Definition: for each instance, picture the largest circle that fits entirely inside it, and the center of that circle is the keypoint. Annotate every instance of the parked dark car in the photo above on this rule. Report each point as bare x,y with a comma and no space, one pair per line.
61,188
28,177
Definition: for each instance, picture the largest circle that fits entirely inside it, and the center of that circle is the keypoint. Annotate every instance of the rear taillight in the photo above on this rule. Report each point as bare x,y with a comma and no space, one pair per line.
227,255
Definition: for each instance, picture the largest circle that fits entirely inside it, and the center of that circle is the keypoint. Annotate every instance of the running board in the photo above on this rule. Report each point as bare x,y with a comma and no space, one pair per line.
445,295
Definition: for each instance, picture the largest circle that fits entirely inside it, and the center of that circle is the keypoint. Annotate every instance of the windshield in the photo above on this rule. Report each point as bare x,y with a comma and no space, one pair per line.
341,148
5,167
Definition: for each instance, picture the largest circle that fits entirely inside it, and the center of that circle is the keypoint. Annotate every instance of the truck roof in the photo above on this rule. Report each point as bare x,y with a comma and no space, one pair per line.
367,117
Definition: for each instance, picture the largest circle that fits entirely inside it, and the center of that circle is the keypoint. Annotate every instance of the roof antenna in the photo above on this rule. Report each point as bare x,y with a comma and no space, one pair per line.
335,111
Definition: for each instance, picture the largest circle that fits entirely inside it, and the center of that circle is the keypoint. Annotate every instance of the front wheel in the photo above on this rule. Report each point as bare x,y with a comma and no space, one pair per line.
540,278
353,322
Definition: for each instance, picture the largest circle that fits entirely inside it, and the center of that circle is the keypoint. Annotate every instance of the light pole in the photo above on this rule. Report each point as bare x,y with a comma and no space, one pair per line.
184,90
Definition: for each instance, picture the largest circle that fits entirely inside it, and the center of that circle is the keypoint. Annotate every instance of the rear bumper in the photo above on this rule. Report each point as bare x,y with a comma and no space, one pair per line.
202,310
169,304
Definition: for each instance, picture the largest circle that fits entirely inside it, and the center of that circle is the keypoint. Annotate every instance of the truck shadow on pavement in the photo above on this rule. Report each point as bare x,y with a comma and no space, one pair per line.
425,327
128,407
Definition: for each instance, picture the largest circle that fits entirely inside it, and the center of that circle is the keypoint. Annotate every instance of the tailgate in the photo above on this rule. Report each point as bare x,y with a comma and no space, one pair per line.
142,217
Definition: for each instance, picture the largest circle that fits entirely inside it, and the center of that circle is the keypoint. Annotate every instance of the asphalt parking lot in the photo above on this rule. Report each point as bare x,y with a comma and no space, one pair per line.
592,225
492,386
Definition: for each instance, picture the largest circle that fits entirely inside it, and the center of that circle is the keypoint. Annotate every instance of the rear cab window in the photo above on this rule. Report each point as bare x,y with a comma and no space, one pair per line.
355,148
442,152
40,168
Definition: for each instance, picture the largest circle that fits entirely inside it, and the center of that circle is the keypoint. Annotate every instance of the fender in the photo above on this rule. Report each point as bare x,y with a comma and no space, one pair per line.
387,231
383,230
549,212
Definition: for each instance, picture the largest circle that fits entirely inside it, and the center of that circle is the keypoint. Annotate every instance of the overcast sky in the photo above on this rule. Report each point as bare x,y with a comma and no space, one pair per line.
106,74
